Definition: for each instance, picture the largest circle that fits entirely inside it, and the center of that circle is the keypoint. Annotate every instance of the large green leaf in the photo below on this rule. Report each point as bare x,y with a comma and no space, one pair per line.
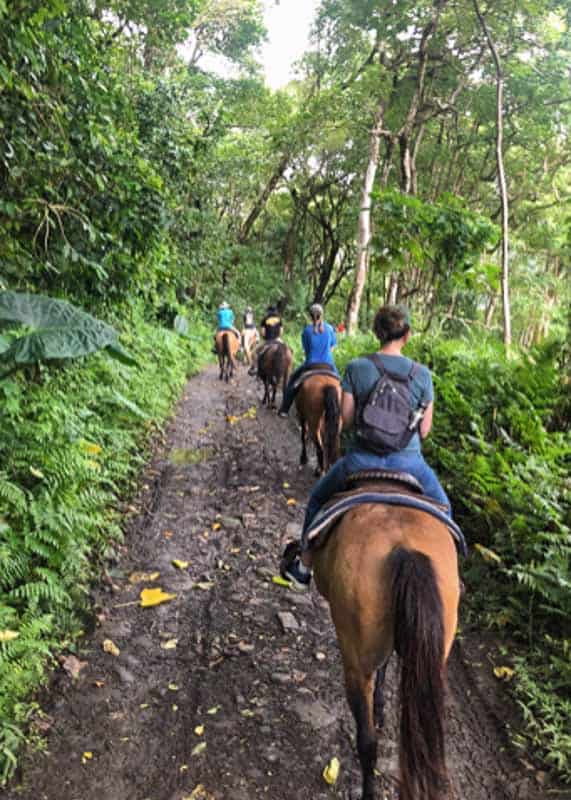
61,331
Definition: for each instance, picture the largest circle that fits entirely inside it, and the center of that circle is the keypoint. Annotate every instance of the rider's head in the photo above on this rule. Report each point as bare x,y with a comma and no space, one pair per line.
316,311
391,323
272,310
222,305
249,309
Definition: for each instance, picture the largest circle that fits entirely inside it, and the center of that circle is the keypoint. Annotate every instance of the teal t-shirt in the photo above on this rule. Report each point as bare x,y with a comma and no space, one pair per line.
361,375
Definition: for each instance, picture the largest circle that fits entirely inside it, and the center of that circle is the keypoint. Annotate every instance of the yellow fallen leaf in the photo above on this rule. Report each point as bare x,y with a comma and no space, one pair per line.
144,705
37,473
110,647
488,555
180,564
173,687
204,585
7,636
99,684
199,793
232,419
331,771
170,644
504,673
280,581
216,526
200,748
174,707
213,710
167,534
246,712
285,485
199,730
291,501
87,756
154,597
144,577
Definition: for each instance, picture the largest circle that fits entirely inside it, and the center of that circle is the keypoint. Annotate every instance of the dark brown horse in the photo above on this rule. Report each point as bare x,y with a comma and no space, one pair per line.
318,403
390,575
274,367
227,345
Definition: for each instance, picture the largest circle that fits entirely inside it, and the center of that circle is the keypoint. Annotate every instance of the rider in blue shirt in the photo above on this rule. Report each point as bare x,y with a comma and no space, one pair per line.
225,317
392,328
318,340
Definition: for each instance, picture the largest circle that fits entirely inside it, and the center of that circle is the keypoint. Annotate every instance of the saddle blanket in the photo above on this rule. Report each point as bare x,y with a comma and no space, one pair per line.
317,533
311,372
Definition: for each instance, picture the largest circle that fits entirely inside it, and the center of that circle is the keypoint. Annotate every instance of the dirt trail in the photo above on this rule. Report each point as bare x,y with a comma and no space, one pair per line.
270,700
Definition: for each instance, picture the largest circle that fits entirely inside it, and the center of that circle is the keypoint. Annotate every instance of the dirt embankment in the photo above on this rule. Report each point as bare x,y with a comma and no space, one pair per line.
235,684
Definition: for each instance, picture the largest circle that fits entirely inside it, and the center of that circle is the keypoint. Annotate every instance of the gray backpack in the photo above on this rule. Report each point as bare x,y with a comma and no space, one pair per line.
386,422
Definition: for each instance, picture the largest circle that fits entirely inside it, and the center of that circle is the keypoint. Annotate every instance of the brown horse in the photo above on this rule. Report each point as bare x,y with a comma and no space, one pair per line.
227,345
318,403
250,339
274,366
390,575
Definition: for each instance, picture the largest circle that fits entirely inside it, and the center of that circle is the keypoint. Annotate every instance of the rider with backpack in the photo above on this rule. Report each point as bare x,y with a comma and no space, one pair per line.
389,401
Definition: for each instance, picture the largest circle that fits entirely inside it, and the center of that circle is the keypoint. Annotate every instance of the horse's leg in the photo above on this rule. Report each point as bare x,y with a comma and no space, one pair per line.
379,697
221,365
360,697
274,390
320,460
303,457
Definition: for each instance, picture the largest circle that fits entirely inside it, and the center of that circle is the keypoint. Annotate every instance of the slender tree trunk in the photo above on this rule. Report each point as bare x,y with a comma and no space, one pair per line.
260,203
501,180
490,308
364,224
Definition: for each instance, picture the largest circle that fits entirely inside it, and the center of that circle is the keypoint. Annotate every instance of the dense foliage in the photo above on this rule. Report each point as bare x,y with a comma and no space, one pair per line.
143,187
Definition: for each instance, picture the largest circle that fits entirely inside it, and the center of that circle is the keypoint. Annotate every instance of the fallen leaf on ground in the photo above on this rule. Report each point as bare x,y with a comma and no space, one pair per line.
245,647
180,564
154,597
72,665
167,534
99,684
200,748
8,636
170,644
247,713
87,756
110,647
173,687
291,501
504,673
199,793
285,485
199,730
216,526
144,577
331,771
213,710
280,581
204,585
174,707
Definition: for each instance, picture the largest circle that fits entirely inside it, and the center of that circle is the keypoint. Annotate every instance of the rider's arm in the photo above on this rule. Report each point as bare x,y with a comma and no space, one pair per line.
426,421
347,409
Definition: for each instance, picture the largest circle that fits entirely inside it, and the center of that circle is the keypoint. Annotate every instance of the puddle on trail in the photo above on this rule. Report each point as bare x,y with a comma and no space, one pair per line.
182,456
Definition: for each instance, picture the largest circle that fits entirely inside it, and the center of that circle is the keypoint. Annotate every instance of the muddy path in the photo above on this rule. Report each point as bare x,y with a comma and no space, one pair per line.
236,683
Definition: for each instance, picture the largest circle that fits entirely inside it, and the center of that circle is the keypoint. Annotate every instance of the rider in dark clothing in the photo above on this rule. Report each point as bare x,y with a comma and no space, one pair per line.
271,329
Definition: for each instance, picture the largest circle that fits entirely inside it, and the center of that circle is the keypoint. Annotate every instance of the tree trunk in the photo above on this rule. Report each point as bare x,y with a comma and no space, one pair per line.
364,224
501,180
260,203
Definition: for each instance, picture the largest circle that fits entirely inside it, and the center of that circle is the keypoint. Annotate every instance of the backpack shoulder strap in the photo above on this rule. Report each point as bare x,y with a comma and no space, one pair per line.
377,361
414,370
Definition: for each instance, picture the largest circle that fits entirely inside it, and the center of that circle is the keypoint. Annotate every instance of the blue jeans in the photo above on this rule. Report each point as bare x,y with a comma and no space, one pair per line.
356,460
290,392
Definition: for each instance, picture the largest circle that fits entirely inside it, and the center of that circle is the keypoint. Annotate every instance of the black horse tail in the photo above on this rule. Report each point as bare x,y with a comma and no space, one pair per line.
419,642
332,416
279,364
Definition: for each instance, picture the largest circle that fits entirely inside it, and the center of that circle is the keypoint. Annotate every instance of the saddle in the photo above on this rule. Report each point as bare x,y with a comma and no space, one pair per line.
387,487
316,369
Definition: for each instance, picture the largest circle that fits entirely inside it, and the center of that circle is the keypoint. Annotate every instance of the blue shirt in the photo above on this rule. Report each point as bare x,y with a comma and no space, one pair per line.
361,375
317,346
225,317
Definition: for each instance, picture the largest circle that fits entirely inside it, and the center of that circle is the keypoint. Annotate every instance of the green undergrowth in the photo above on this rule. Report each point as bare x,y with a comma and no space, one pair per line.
72,442
500,447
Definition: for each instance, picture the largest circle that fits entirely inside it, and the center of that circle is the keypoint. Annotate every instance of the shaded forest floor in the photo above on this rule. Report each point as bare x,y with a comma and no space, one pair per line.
218,687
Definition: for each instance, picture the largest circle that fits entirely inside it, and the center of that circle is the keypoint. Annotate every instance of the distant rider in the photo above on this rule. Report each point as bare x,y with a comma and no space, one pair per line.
318,340
392,328
271,328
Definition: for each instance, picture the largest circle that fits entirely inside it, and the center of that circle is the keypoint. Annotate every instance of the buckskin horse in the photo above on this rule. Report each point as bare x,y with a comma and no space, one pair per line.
227,345
250,339
274,366
318,403
390,576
